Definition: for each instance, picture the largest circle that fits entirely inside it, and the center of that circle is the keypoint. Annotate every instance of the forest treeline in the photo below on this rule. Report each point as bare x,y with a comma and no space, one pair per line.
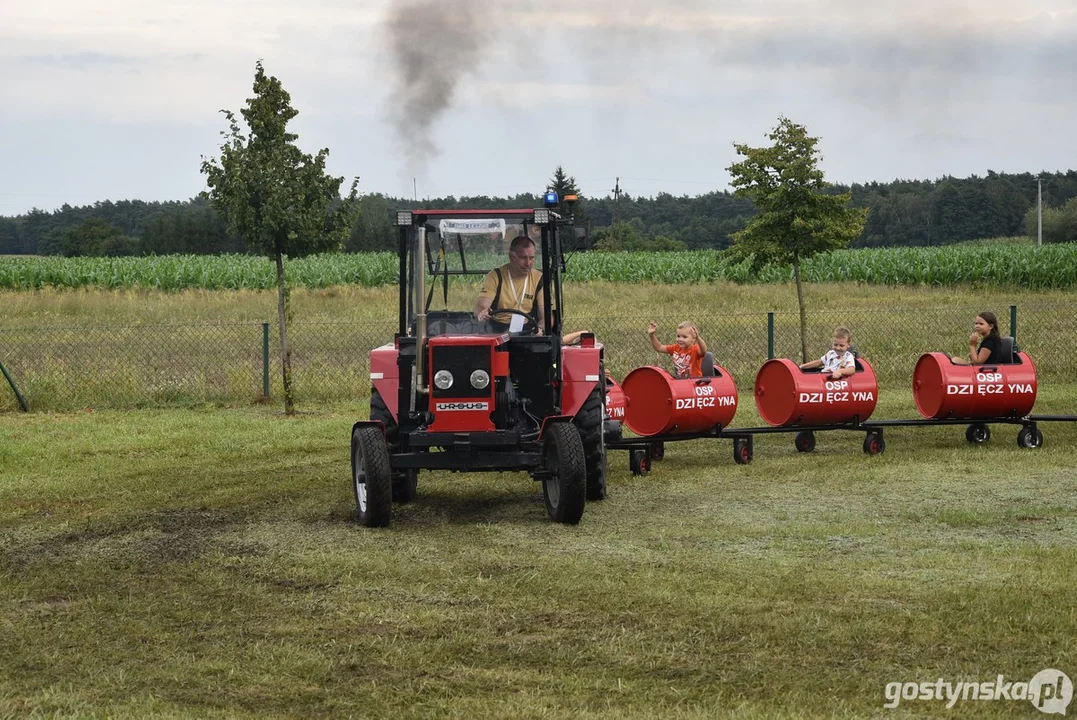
901,213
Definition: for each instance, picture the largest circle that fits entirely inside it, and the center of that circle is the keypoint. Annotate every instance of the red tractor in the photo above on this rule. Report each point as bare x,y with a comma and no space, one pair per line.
455,393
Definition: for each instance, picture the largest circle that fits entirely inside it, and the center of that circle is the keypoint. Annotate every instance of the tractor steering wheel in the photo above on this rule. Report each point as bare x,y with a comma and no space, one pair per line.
530,326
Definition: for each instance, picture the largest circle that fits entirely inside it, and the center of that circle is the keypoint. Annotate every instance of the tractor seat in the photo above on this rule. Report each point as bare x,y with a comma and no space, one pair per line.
707,365
1007,350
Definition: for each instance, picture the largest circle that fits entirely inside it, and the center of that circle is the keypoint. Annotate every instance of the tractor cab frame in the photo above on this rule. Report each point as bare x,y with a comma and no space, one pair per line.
451,392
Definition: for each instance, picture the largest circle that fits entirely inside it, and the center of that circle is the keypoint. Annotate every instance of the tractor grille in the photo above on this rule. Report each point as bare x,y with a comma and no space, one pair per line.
461,362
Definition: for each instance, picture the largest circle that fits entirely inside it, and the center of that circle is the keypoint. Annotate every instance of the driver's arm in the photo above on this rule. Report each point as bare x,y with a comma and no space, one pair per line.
482,308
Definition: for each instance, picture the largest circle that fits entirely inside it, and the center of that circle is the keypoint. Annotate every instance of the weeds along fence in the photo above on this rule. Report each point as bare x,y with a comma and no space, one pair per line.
58,369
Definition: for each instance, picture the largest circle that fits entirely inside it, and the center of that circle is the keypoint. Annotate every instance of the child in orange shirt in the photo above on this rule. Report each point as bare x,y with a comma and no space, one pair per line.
687,352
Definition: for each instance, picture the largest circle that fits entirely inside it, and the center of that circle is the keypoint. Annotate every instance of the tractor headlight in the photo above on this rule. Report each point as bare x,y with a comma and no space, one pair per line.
480,379
403,218
443,379
542,216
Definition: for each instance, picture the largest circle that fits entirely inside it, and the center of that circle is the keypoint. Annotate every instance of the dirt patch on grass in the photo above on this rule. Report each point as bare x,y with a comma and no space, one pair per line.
152,538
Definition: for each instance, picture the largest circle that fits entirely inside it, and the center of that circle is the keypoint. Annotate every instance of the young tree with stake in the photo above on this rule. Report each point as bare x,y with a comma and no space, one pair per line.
276,197
796,218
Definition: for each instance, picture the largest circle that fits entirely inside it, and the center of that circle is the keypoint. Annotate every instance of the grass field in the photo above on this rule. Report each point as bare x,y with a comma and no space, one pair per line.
205,564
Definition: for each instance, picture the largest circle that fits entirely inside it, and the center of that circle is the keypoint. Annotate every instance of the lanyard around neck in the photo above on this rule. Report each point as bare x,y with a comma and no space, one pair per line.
512,284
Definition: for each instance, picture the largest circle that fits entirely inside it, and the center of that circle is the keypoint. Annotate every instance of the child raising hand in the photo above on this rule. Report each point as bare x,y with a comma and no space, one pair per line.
687,352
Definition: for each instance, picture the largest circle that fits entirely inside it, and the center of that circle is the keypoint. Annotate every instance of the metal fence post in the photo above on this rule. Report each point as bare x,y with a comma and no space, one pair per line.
770,336
1013,321
265,359
18,395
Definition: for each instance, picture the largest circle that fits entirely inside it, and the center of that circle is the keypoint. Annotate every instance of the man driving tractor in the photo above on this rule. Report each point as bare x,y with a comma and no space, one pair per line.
512,290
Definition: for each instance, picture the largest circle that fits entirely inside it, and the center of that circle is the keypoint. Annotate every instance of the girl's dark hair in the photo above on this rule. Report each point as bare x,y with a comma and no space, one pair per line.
990,319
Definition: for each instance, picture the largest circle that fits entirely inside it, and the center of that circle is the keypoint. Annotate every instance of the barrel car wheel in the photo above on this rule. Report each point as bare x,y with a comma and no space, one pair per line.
639,462
874,443
804,441
978,433
1029,437
742,451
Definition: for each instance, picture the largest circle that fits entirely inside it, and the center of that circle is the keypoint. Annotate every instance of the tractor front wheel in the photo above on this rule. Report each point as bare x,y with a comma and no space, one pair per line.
565,486
405,482
371,479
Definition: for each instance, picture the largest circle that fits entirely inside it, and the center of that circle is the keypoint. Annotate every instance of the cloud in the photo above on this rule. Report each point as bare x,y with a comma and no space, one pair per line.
84,60
644,89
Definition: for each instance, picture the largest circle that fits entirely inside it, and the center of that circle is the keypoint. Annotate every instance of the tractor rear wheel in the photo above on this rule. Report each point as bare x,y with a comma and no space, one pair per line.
589,421
565,486
370,477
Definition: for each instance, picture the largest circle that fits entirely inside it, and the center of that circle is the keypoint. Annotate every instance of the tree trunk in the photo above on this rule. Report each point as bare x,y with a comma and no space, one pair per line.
803,315
285,352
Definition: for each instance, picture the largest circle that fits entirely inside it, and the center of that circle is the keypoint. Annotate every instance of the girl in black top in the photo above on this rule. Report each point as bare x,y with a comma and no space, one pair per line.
984,343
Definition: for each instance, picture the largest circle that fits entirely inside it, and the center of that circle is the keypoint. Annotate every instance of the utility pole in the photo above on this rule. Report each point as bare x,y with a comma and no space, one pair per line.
616,200
1039,211
414,190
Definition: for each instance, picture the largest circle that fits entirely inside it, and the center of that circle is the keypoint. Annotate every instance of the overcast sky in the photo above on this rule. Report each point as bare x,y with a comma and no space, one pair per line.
119,99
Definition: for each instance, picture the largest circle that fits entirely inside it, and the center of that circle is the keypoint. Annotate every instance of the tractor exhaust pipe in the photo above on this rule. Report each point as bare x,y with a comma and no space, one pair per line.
420,313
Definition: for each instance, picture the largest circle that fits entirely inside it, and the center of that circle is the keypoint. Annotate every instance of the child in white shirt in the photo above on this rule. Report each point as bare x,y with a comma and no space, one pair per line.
838,362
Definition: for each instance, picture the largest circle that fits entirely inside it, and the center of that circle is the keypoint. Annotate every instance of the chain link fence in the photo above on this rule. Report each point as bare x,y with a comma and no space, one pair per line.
136,366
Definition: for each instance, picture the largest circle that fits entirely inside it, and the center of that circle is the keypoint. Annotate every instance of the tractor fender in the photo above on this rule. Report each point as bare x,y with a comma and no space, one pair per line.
580,374
551,420
385,376
369,423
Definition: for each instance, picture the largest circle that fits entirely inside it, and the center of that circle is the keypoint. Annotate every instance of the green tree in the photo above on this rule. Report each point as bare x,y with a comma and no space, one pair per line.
1059,223
95,237
564,184
9,237
622,237
374,230
276,197
797,218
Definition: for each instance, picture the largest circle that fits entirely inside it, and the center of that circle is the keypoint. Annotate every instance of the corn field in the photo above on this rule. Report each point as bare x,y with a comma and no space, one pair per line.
1018,266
